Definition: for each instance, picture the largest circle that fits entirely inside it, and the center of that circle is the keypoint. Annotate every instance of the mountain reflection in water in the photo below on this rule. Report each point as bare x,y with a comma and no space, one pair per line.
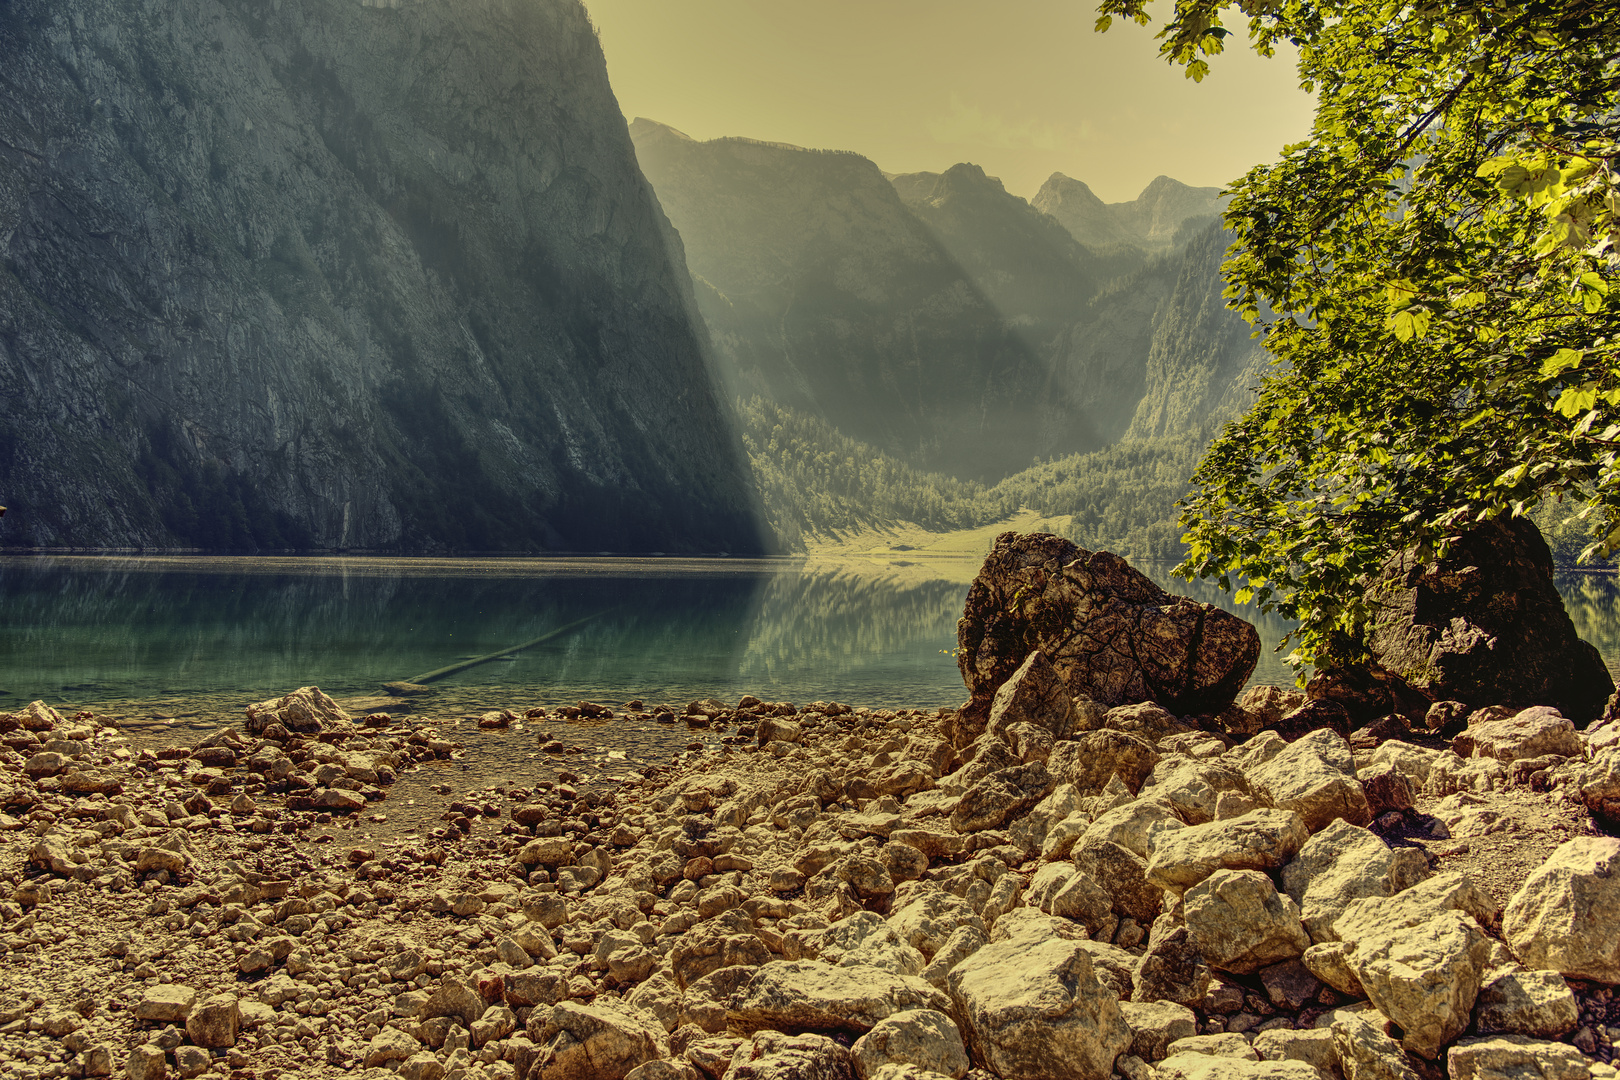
80,630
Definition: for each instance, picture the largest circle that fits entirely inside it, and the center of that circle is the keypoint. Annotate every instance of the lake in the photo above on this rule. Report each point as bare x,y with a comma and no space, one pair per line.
84,631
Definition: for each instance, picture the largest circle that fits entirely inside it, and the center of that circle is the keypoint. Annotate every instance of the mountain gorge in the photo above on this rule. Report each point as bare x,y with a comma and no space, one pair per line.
835,298
355,275
824,292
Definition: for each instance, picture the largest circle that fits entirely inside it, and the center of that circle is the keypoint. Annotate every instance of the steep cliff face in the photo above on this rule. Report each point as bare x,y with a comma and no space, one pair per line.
1157,354
342,273
1202,365
824,292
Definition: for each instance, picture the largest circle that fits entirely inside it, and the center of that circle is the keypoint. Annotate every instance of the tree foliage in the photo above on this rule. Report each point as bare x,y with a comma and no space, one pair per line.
1432,272
1121,499
814,479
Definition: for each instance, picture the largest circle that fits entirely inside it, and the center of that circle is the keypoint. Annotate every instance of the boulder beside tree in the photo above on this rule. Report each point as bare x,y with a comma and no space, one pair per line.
1485,626
1112,634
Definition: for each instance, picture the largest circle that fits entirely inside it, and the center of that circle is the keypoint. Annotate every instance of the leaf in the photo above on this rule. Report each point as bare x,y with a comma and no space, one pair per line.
1560,362
1513,476
1410,323
1574,401
1103,23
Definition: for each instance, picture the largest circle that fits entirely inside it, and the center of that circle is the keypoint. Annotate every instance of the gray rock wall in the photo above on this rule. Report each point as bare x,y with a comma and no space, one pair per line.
332,273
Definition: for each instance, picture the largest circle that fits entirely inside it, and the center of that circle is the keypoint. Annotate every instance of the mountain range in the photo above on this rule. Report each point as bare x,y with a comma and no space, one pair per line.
942,319
396,275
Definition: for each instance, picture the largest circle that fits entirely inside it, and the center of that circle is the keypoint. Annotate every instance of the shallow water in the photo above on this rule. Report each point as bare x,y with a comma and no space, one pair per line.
82,631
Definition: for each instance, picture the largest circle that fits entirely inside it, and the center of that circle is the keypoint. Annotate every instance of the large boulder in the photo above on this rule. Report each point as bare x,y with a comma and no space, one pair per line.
1530,733
1172,969
1419,903
1566,915
920,1037
1035,1009
1122,874
1091,760
1315,777
807,995
1485,626
1001,795
1114,636
1240,923
1519,1002
1199,1066
1135,826
775,1056
1035,694
1514,1057
1157,1024
1258,840
599,1041
1366,1051
1193,787
1425,977
1343,863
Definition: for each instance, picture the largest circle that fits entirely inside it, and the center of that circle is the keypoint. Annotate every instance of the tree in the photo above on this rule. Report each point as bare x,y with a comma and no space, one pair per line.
1431,272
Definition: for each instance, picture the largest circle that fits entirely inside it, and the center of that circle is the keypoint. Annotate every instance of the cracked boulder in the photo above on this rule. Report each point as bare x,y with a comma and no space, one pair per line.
1113,635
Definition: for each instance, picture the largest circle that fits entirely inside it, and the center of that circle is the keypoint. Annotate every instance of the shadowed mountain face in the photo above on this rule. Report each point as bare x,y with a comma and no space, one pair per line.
1202,363
823,291
369,275
944,320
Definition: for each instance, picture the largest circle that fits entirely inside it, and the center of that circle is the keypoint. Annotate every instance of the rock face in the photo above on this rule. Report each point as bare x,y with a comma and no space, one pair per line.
1113,635
1485,626
271,298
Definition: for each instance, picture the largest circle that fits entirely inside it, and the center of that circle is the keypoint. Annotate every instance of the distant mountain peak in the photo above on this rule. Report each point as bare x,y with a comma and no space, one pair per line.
1162,186
967,172
643,128
1060,186
1163,207
1087,218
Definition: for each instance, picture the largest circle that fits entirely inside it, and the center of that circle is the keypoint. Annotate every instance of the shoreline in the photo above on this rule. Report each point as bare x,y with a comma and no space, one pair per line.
156,896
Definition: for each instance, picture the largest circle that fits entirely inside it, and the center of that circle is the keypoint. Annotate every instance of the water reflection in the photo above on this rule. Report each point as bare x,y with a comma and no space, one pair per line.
86,630
1593,603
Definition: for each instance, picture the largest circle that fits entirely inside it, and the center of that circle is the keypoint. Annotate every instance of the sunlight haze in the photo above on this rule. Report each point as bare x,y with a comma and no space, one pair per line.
1023,88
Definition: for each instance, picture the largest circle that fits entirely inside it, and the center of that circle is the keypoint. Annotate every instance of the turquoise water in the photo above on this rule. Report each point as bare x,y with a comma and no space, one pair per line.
88,630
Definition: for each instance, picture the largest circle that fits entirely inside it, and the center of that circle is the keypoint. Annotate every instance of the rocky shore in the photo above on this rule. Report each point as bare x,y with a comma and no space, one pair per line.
1039,885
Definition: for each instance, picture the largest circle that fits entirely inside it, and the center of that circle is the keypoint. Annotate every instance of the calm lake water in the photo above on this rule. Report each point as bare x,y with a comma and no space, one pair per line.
81,631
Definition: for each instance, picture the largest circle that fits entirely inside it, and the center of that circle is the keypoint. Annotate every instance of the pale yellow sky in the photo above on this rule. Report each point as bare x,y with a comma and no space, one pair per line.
1023,88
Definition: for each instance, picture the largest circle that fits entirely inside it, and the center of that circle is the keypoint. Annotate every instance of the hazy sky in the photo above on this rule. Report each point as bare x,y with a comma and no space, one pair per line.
1023,88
